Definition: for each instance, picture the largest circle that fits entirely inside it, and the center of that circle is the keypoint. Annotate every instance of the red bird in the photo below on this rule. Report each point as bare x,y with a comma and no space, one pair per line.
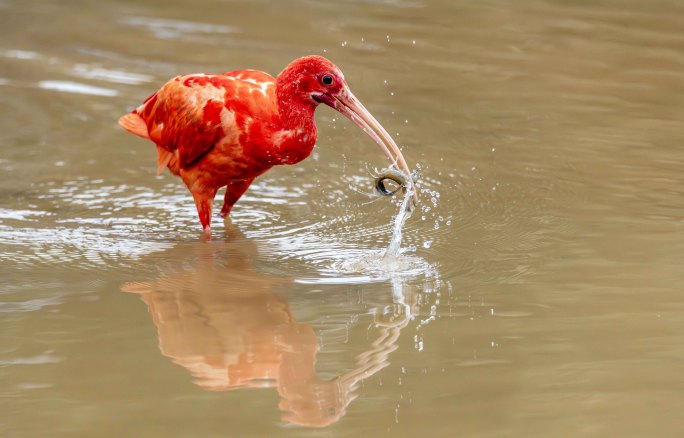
216,130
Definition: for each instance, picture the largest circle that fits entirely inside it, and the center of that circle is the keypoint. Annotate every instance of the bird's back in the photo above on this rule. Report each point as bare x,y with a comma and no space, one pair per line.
190,114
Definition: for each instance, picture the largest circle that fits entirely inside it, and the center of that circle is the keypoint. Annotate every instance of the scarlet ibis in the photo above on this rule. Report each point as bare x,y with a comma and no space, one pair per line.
216,130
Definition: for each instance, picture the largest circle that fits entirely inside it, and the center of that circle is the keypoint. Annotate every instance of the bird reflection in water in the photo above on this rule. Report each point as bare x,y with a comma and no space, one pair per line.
231,327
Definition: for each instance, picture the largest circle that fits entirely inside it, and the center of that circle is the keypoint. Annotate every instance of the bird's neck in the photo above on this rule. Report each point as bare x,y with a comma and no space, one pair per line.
293,111
297,128
294,116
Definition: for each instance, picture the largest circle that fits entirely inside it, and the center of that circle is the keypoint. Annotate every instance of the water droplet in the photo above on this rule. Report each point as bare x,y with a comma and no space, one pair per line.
418,342
413,42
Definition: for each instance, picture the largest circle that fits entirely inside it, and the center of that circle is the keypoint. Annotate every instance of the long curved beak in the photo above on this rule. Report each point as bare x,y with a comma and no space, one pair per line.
346,103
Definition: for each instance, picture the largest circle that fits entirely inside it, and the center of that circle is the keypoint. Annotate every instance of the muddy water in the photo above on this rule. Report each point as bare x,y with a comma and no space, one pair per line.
539,291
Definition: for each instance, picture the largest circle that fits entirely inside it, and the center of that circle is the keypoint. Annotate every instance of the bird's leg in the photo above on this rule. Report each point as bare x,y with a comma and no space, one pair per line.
234,191
203,201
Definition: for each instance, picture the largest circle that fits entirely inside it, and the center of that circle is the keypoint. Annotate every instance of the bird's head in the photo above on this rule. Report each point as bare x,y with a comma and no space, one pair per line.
314,79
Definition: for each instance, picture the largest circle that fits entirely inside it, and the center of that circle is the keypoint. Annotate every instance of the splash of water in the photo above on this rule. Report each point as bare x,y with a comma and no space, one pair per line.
399,220
381,264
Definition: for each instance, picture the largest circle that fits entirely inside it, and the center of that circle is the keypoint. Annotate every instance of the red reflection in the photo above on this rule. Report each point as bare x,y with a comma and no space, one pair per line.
231,327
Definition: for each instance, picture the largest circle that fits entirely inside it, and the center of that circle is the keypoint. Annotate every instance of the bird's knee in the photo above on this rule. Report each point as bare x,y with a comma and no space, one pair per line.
203,204
225,210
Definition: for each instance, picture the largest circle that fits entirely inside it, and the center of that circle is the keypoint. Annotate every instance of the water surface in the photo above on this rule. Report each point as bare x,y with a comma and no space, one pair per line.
541,293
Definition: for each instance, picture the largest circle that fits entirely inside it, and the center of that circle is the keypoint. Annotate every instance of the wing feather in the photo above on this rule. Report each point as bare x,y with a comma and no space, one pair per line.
187,114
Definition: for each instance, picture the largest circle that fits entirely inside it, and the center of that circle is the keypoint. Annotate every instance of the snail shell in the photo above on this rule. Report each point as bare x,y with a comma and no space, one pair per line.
399,177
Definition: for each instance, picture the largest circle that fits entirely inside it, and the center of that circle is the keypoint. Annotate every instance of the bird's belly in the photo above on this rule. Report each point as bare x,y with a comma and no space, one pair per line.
217,169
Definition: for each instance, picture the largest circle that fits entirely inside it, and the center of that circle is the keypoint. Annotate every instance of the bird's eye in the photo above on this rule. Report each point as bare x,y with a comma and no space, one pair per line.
327,80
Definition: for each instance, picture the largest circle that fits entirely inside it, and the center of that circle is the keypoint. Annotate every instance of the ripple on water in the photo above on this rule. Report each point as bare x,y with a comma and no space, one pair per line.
86,224
380,265
490,225
346,260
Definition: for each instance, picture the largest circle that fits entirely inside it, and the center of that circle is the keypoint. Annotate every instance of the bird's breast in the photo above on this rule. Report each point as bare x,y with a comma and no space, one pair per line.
290,146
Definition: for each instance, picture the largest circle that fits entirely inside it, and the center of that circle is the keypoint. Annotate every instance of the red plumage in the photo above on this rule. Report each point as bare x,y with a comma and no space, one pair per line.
216,130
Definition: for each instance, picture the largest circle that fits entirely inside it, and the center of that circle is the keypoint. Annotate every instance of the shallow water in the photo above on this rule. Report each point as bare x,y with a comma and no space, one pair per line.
539,287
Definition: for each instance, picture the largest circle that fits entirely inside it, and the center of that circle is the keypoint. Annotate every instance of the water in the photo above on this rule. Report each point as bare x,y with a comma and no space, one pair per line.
537,288
392,250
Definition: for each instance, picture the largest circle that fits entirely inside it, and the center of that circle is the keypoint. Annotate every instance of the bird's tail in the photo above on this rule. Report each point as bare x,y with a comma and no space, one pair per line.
134,124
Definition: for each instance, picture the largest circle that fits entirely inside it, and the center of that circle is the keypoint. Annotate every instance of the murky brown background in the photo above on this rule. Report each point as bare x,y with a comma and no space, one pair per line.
544,292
